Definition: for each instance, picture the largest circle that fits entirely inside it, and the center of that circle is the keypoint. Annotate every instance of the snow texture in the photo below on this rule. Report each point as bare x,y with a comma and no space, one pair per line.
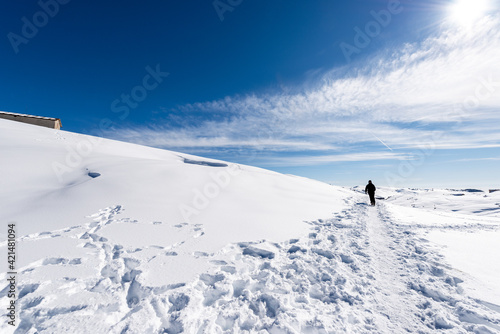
110,253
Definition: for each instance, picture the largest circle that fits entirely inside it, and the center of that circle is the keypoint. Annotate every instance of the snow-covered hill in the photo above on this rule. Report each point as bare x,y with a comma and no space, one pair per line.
119,238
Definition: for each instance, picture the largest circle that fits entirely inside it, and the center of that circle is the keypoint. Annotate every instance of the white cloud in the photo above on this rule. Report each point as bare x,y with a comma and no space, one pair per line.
324,159
478,159
444,91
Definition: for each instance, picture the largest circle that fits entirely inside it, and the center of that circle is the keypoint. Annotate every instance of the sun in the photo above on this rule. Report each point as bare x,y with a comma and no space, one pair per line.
466,12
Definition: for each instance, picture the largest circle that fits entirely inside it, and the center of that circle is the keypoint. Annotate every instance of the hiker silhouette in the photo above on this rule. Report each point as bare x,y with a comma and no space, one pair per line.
370,189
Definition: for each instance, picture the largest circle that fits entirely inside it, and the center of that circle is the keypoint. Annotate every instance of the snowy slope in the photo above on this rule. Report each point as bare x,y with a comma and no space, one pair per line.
463,226
120,238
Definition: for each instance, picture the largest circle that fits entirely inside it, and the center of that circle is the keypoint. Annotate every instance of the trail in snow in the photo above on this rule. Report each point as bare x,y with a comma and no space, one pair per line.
389,292
358,272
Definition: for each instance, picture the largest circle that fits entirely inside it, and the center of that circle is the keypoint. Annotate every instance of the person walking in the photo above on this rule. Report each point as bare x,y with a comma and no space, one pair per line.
370,190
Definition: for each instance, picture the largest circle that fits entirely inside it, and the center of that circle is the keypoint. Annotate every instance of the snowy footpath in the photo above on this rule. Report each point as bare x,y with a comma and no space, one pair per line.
361,271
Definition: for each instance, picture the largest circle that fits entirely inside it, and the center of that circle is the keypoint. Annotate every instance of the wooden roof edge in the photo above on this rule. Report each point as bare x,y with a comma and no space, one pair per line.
29,116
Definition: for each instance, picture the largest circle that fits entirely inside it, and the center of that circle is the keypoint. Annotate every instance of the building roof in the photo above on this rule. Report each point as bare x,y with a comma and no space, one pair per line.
30,116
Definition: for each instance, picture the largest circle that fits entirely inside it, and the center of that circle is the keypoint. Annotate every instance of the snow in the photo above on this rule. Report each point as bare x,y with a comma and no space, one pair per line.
464,229
119,238
474,257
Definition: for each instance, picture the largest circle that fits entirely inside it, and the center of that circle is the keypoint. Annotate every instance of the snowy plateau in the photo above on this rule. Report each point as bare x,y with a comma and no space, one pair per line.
113,237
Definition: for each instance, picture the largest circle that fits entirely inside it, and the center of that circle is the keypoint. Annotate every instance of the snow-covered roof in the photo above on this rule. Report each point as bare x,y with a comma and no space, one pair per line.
26,115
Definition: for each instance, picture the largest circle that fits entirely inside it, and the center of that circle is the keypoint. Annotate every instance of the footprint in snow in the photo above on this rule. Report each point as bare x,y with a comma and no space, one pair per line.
257,252
61,260
198,234
200,254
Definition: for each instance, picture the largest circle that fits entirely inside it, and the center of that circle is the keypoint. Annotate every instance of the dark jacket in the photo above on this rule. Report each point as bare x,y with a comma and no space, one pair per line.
370,188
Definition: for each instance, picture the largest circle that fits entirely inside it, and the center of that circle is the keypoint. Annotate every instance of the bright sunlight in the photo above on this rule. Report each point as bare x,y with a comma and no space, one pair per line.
466,12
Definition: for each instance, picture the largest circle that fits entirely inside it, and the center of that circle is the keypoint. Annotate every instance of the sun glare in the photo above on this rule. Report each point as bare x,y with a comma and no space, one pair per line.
466,12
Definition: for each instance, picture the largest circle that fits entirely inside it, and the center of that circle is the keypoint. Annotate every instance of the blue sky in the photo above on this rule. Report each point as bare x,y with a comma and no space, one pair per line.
404,93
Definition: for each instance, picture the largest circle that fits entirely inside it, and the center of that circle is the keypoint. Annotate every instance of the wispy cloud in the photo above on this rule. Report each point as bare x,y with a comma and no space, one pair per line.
444,90
478,159
324,159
